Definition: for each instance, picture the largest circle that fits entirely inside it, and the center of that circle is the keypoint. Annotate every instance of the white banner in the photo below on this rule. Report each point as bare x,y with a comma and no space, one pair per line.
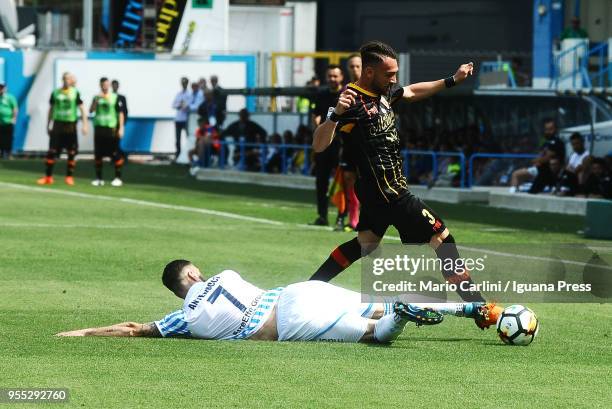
203,28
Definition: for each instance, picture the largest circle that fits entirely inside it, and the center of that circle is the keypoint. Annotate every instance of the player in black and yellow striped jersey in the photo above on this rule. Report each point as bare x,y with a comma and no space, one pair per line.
365,111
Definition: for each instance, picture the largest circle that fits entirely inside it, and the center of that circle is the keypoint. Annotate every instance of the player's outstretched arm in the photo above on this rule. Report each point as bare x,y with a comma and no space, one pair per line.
422,90
324,134
124,329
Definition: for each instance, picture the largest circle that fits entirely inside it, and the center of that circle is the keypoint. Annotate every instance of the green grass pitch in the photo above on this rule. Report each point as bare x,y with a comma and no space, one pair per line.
71,261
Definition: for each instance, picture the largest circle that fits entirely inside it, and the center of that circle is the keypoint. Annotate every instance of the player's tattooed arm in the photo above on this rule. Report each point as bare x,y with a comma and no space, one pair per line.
124,329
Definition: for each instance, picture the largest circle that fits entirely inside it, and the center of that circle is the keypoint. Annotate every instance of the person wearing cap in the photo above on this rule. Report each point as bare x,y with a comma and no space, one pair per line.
8,117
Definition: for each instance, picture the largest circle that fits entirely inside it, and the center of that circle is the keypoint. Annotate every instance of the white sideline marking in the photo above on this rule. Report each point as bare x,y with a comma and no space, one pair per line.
145,203
261,220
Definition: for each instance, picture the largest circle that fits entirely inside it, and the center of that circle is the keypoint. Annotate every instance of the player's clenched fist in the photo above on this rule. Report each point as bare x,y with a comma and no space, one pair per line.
346,99
463,72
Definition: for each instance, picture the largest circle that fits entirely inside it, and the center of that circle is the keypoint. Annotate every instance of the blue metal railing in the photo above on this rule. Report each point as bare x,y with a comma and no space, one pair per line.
305,167
494,156
242,147
580,56
434,162
601,51
579,65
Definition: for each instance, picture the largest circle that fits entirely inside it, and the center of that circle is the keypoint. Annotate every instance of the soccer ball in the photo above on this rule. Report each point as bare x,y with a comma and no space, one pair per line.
517,325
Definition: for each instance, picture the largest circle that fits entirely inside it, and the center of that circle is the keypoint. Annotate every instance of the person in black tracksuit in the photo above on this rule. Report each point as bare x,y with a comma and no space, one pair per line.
326,161
123,109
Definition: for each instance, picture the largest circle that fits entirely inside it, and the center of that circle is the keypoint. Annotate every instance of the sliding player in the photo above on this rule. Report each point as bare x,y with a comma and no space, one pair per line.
228,307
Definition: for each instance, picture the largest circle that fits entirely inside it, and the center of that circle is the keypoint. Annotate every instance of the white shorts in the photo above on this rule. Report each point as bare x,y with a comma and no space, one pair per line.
319,311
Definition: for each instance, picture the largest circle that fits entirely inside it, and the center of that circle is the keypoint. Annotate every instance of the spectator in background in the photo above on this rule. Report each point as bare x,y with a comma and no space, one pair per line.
552,146
244,127
574,31
303,136
273,160
449,172
122,100
207,146
8,117
220,102
203,85
123,108
250,132
353,66
326,161
520,76
207,109
304,104
288,139
196,99
598,183
181,105
576,161
555,179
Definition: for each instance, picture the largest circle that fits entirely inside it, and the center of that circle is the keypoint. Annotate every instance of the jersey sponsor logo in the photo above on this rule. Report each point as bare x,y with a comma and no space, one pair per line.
384,124
211,283
247,315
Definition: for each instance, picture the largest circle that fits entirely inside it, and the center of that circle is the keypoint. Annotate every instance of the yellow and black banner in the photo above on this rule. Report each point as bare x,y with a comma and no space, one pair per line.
169,17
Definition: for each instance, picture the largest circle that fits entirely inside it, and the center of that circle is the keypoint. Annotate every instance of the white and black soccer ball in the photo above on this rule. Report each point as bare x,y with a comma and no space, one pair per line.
517,325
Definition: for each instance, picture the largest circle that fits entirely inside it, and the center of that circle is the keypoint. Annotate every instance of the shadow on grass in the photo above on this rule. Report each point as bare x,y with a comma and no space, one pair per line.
177,177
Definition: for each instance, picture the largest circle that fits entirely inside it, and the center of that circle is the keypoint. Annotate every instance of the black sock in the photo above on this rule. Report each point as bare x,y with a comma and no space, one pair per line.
71,163
341,258
118,167
98,163
49,162
448,251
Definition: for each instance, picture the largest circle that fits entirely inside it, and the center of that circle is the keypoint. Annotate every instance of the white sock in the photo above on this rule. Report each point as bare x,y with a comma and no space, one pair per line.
389,327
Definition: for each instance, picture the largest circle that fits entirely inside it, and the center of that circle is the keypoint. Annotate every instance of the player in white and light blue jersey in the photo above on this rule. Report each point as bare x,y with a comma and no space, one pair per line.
227,307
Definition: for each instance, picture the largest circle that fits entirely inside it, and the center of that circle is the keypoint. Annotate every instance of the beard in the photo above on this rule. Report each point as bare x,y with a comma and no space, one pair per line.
381,89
